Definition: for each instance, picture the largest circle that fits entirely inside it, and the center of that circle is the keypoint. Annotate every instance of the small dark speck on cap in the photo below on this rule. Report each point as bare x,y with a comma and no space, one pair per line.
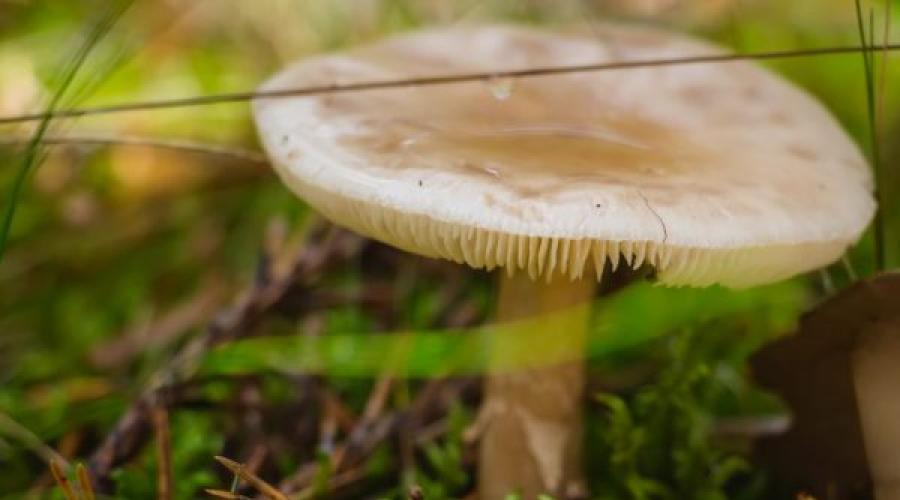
284,139
598,205
420,182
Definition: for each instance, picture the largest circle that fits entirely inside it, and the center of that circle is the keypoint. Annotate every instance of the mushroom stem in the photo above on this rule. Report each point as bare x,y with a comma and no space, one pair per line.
876,374
532,442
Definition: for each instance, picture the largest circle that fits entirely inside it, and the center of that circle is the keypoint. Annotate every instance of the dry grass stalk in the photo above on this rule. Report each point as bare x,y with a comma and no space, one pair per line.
252,479
84,482
163,452
228,152
14,429
59,475
206,100
225,494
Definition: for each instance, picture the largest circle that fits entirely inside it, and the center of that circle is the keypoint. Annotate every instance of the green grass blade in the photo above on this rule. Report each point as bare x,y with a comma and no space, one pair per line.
34,154
872,111
620,325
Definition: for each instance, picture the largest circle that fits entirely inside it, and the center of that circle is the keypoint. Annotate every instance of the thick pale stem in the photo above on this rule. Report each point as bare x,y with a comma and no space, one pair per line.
877,380
532,442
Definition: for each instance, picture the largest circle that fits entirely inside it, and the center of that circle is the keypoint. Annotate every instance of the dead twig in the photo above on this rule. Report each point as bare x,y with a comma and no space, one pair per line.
432,400
324,249
342,415
373,410
122,349
252,479
374,427
163,453
225,494
287,289
378,398
339,481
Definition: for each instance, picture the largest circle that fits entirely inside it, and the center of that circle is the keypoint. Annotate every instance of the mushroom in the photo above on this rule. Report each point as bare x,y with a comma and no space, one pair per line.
848,348
708,174
875,376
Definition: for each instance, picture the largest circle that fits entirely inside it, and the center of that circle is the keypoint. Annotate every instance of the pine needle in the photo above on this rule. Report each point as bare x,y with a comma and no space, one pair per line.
59,476
225,494
253,480
160,419
84,482
867,40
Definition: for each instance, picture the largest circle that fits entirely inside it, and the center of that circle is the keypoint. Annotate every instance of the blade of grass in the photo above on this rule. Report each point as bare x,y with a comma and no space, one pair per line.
886,40
30,440
872,111
83,87
849,269
881,92
617,329
33,151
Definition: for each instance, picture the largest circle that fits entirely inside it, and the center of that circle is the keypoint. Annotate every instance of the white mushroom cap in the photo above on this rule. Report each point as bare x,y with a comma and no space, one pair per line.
711,173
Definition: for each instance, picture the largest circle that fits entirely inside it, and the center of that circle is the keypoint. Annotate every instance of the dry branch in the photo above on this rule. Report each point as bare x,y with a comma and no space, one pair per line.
293,288
324,250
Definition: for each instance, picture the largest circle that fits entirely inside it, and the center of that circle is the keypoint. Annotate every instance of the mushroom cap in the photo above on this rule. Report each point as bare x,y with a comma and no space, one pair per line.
711,173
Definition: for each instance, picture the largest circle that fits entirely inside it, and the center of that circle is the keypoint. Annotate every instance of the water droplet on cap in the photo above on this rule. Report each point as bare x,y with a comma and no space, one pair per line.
501,88
492,170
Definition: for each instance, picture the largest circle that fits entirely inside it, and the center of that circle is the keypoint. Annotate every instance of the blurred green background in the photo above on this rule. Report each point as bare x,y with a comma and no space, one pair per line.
122,250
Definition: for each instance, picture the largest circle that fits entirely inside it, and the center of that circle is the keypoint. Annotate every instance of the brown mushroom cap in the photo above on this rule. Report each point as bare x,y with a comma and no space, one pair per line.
711,173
